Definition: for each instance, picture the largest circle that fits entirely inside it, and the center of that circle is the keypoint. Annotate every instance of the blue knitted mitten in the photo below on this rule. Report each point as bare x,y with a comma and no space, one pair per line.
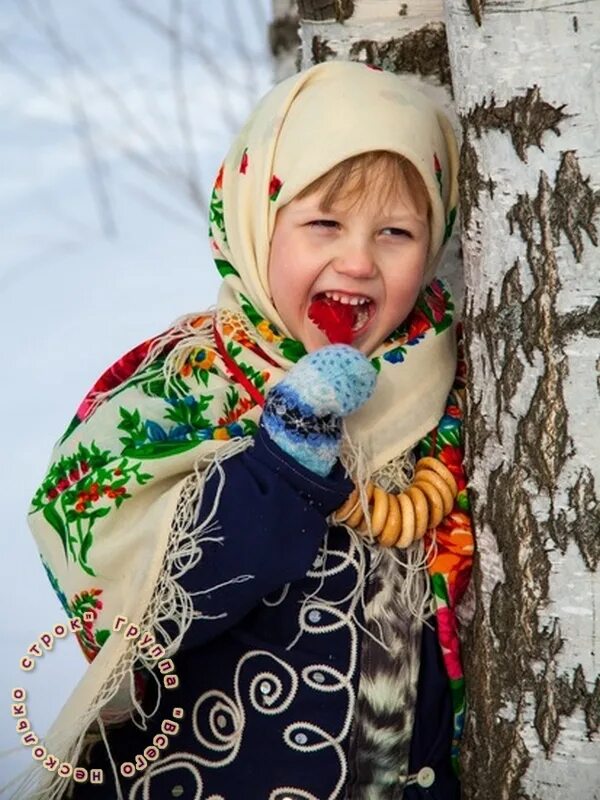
303,413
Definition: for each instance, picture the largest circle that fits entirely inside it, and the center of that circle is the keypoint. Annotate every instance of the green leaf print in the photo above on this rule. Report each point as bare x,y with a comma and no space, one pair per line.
82,488
86,544
440,590
216,213
52,516
101,636
292,349
226,268
160,449
249,310
451,218
250,427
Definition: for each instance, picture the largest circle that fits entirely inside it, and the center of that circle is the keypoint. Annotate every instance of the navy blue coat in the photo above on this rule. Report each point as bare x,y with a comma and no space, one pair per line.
253,725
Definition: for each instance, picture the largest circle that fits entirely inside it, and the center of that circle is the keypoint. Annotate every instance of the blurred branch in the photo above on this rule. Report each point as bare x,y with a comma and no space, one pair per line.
124,115
181,102
83,129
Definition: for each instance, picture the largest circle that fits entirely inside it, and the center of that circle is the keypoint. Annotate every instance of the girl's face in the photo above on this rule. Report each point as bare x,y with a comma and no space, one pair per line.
361,252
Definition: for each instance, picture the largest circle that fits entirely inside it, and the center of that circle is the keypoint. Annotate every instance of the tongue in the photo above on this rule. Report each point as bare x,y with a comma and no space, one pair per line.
334,319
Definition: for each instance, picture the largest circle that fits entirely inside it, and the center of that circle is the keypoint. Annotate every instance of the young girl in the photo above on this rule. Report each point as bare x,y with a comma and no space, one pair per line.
272,492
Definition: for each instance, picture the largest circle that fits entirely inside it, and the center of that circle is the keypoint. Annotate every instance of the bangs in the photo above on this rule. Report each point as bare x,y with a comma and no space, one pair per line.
387,173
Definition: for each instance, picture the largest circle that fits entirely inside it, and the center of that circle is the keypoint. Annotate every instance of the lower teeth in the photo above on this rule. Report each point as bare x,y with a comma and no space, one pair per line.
361,317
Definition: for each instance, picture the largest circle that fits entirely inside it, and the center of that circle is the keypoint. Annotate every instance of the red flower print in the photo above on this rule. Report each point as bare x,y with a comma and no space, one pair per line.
417,324
115,375
244,162
274,187
83,498
449,641
110,492
438,170
52,493
436,302
452,457
219,178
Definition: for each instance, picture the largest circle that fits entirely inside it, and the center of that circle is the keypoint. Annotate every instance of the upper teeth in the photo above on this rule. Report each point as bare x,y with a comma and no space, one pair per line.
352,301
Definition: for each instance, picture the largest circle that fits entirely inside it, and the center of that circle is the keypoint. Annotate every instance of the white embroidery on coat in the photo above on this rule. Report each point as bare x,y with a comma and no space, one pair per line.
283,793
142,790
227,736
279,600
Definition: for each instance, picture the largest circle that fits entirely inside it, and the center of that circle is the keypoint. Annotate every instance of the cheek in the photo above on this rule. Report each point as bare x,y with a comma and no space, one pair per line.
275,271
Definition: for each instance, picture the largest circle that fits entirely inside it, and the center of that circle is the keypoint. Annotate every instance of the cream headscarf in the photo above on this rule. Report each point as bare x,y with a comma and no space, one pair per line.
113,518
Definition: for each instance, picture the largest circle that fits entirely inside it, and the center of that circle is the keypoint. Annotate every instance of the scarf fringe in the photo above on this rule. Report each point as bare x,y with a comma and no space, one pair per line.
416,593
170,602
180,340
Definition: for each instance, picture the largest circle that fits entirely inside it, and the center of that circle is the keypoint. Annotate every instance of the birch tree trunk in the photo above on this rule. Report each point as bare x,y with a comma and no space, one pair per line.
404,37
525,82
284,38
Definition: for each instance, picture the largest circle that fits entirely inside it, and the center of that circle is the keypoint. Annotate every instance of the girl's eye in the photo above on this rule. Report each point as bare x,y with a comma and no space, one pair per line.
398,232
323,223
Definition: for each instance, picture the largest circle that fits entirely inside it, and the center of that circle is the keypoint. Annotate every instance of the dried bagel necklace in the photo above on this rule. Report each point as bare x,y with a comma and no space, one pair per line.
396,520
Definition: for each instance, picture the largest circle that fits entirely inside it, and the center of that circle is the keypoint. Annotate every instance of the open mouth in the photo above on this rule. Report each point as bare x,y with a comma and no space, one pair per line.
341,317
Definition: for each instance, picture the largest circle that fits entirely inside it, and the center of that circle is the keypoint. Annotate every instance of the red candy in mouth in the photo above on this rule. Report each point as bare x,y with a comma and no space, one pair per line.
334,319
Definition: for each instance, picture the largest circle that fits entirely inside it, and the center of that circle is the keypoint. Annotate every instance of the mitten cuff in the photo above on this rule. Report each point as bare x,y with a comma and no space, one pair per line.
312,440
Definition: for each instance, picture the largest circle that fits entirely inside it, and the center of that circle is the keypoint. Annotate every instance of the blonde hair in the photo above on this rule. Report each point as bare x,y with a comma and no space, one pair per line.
386,171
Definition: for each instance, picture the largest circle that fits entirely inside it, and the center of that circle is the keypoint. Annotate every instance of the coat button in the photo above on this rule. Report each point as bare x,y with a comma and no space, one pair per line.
318,677
426,777
177,791
314,615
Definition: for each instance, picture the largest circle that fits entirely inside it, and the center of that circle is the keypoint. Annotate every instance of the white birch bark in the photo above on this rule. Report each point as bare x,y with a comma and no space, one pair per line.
284,38
404,37
525,77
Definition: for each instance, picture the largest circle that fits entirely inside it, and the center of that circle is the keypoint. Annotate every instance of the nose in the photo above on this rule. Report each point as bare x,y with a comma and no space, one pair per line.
356,260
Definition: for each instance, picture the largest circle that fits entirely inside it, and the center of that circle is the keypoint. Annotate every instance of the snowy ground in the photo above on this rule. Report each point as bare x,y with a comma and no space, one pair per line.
72,298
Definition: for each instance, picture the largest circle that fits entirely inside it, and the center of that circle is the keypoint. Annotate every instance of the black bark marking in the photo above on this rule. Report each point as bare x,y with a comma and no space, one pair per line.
543,444
547,715
477,434
586,321
575,24
575,694
575,204
505,639
476,8
570,207
338,10
585,528
403,10
321,51
508,330
526,119
421,52
283,34
471,180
